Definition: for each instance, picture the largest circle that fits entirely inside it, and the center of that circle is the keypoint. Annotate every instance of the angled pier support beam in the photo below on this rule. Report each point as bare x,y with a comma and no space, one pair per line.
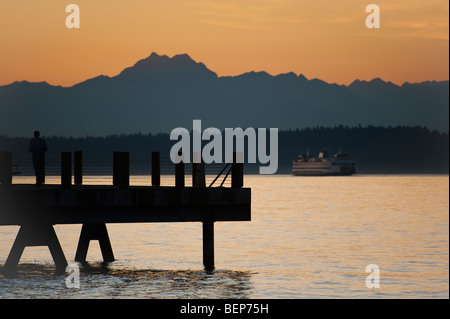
35,235
94,232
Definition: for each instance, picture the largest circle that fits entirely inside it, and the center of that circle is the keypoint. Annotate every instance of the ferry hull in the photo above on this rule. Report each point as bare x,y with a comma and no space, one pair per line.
319,173
323,165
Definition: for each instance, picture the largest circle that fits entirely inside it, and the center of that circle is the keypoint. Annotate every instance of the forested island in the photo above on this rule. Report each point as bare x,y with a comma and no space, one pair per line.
377,150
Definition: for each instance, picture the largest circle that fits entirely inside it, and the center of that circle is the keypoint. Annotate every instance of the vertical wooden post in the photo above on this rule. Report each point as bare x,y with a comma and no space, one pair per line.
43,169
121,169
5,168
179,172
66,170
198,173
198,180
116,168
237,170
208,244
156,169
78,168
124,169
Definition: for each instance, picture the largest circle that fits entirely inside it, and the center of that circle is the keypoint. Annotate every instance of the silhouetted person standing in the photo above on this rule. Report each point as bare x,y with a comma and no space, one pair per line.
38,147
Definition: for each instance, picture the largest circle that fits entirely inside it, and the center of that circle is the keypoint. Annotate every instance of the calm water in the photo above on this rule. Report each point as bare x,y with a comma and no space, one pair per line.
310,237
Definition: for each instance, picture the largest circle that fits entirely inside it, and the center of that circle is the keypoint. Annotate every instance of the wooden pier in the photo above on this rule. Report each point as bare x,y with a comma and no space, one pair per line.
37,209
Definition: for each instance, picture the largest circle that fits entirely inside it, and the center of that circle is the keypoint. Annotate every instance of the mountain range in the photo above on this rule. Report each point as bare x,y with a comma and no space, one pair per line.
160,93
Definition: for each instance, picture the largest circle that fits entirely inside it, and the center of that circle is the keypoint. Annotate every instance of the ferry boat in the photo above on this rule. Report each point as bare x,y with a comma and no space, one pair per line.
324,165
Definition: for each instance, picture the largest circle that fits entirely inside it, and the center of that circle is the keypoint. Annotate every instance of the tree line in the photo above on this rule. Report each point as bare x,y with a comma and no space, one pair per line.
399,149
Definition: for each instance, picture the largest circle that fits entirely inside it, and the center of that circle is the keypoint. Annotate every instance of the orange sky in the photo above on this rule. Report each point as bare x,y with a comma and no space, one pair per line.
323,39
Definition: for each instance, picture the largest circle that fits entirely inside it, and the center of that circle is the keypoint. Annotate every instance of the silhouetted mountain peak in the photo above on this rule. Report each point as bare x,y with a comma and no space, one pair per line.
160,92
255,75
162,65
98,80
183,58
31,85
153,58
288,76
442,84
28,83
375,83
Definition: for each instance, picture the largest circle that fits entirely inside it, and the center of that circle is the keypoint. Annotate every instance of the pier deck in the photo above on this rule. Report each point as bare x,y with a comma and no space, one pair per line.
37,209
25,204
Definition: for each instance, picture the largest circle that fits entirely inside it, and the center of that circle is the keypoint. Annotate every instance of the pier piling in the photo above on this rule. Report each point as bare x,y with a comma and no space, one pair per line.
198,175
179,172
208,245
124,169
156,169
66,170
115,168
237,170
78,168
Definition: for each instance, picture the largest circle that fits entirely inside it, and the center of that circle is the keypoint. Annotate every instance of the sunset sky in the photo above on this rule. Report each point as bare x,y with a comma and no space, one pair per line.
323,39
